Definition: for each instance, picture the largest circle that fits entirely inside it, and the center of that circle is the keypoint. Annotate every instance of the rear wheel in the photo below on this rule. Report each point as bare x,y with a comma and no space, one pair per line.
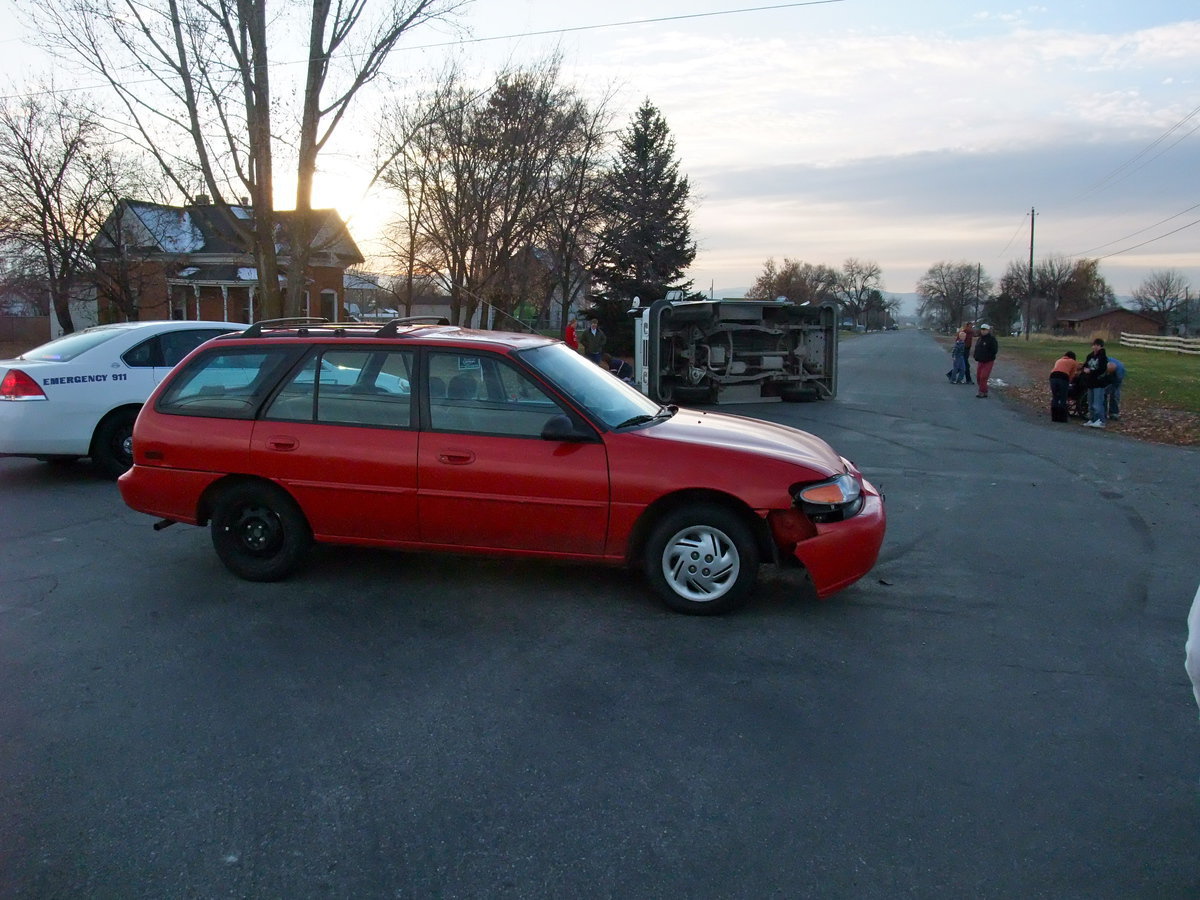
259,532
112,447
702,560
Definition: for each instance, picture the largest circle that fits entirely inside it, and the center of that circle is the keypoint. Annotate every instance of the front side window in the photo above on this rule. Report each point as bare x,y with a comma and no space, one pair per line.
226,382
485,395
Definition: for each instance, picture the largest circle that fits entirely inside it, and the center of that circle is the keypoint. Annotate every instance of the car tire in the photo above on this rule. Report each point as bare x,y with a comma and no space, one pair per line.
259,532
112,445
702,560
798,395
690,393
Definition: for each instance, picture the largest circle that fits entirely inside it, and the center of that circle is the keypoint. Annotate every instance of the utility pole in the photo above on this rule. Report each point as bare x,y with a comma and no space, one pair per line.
978,277
1029,293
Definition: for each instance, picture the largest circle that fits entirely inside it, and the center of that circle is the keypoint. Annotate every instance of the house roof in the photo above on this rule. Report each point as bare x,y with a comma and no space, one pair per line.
1090,314
205,228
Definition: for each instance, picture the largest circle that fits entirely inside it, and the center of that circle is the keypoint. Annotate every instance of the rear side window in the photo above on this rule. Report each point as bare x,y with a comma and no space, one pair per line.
349,387
226,383
168,348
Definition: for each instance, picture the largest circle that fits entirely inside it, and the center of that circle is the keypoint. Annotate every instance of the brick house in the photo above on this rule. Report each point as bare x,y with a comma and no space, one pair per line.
1107,323
189,262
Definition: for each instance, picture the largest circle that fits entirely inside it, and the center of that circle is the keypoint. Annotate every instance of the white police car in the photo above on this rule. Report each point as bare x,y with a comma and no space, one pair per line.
80,394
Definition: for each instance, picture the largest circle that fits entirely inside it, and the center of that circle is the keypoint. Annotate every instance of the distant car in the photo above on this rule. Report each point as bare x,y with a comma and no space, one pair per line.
78,395
438,438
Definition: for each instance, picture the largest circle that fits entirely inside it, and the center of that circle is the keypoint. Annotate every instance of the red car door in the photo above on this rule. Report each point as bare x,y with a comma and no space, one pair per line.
340,436
487,478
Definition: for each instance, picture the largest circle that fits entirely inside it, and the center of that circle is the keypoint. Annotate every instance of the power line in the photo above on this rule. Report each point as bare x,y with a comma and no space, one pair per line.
483,40
1115,175
1152,240
1020,227
1139,231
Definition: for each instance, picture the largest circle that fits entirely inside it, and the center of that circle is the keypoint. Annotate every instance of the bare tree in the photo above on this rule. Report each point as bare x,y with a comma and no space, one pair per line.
800,282
1162,293
58,181
479,173
575,209
857,279
952,293
1050,279
194,78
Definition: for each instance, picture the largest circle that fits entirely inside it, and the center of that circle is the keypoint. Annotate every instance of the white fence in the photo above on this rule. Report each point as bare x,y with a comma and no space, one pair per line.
1151,342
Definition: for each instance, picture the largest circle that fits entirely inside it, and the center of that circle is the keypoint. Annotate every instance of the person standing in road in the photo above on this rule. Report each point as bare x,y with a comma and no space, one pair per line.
570,337
958,356
986,349
592,341
969,330
1095,379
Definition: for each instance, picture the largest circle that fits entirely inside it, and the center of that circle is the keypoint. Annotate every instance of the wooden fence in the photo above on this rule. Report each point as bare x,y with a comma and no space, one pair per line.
1153,342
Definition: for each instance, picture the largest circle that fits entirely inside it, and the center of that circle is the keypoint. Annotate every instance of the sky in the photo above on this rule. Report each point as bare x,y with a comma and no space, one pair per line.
901,133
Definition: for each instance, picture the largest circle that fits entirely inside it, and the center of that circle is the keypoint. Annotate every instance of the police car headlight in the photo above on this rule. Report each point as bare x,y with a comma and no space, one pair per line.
830,501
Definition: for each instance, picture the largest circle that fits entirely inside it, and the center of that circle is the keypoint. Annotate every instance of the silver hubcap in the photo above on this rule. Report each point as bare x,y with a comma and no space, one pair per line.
701,563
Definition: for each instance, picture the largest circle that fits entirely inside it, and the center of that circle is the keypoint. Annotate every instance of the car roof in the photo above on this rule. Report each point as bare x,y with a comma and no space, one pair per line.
164,324
425,332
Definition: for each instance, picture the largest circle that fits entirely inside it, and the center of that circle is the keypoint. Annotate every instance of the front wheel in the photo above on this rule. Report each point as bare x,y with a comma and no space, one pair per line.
702,560
259,532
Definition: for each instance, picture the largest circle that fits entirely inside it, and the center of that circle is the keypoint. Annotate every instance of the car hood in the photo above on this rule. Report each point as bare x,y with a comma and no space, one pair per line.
749,436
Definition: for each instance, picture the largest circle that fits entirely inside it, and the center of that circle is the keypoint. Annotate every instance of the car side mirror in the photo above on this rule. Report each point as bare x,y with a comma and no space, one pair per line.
563,428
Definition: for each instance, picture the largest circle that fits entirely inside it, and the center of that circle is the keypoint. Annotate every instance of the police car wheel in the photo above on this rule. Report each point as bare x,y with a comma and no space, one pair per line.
702,560
112,447
259,532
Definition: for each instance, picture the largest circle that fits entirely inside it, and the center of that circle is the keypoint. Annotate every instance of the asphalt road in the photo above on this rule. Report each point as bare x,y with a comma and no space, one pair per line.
998,710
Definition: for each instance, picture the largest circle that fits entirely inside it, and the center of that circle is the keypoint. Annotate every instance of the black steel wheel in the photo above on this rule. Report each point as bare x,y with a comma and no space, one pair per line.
702,560
259,532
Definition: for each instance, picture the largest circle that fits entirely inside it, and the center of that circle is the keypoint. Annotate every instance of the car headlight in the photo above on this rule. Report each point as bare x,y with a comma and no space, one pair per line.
833,500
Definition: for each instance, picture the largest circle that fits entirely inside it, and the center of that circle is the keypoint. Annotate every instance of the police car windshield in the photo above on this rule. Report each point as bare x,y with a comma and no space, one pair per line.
70,346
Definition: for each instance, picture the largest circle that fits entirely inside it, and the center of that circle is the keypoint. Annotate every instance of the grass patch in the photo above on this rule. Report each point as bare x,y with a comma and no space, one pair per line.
1157,378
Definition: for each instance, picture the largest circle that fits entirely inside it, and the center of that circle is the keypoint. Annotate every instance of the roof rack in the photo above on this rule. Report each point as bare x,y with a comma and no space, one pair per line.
256,329
392,328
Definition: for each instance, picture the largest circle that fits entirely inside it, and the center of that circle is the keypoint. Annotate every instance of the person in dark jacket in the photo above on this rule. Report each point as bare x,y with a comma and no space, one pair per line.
1095,379
592,341
986,349
619,367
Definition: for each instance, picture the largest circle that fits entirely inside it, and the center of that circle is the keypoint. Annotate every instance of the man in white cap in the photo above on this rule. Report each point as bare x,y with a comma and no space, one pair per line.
986,349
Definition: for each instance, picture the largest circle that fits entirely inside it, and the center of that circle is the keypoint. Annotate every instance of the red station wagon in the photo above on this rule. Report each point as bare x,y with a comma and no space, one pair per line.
430,437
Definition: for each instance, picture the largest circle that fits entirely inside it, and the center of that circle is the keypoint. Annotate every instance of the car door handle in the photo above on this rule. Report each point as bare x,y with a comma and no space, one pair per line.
282,443
456,457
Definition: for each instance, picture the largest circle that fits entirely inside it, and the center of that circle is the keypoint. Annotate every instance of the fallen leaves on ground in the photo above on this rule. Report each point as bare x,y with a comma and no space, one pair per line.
1139,419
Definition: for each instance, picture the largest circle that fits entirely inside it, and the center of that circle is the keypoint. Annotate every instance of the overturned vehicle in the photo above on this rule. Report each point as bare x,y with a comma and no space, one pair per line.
735,351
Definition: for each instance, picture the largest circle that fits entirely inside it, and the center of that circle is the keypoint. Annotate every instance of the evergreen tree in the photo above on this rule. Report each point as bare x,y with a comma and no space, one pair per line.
646,242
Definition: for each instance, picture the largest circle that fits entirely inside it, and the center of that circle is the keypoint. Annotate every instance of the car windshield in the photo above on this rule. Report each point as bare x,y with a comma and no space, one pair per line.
605,396
70,346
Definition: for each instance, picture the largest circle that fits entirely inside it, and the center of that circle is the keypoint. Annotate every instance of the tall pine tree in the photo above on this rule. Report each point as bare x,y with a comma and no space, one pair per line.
647,241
